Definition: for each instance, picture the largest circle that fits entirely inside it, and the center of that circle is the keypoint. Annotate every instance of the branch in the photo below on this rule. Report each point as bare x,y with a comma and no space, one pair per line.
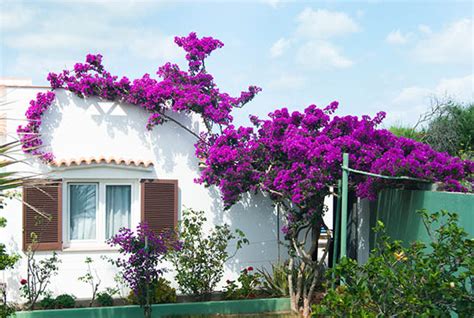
270,190
184,127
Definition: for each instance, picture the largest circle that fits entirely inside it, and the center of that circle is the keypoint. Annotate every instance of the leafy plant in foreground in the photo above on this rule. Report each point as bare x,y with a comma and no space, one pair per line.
200,263
142,252
65,301
105,299
419,280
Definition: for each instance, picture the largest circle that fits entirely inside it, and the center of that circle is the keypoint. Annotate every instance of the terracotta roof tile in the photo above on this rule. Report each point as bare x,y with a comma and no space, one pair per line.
100,160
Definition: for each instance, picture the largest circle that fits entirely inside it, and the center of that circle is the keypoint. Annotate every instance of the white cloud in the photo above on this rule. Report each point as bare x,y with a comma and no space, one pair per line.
413,101
14,17
279,47
155,47
322,55
453,44
325,24
313,39
287,81
424,29
100,34
272,3
397,38
461,88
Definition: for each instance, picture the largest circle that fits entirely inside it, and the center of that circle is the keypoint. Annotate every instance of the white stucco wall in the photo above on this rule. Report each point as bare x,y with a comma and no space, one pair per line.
76,128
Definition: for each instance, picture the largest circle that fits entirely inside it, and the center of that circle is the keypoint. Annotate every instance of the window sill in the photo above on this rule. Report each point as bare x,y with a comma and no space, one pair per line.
90,248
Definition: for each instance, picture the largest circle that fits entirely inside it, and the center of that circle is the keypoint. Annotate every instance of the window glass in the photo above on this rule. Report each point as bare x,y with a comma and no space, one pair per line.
118,208
82,209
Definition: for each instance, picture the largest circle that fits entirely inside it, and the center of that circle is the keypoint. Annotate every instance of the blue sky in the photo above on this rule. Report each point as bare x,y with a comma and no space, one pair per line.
369,56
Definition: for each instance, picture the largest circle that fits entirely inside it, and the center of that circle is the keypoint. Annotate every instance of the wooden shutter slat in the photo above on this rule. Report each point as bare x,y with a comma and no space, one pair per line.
45,198
160,204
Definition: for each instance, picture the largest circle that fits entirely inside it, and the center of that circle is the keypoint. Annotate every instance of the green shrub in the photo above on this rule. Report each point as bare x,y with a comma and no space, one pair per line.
48,302
65,301
6,311
104,299
419,280
160,292
200,262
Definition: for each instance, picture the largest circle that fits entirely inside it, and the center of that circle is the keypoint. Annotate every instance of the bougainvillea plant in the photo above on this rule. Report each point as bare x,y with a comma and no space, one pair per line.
142,253
296,157
175,90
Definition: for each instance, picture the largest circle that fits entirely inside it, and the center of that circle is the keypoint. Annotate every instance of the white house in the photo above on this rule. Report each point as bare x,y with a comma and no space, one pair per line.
106,161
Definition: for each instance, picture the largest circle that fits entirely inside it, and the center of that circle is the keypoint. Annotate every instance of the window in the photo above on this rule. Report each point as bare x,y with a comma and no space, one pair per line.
118,206
97,210
83,211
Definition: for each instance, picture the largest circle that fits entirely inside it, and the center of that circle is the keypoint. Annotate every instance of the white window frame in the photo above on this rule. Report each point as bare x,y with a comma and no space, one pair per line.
100,242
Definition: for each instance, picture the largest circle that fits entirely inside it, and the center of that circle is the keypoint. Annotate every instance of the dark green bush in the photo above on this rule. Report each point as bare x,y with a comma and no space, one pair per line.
160,292
104,299
48,302
6,311
415,281
65,301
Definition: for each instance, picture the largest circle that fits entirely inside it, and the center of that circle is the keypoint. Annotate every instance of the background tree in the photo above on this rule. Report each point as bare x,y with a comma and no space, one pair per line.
448,126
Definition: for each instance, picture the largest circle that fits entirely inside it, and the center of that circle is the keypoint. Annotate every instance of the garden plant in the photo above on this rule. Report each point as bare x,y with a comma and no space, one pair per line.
247,285
91,278
199,264
39,274
418,280
161,292
142,253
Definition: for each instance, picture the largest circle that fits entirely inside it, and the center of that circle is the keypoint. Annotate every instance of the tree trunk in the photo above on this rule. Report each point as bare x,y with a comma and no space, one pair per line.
293,300
306,308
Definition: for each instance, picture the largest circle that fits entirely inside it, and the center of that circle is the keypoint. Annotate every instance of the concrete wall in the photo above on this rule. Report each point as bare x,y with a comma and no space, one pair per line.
75,128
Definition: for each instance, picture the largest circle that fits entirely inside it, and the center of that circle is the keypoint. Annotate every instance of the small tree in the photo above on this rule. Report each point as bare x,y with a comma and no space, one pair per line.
142,253
39,274
92,279
200,262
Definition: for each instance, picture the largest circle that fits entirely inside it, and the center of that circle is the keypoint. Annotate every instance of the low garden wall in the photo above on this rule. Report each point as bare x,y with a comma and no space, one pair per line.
397,210
253,306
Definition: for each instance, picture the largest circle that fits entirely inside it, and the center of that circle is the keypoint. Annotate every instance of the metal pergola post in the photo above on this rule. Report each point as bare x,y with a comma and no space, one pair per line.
344,199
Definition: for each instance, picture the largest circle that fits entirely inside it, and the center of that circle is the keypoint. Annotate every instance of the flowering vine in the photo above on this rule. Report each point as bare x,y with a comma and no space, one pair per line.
296,157
175,90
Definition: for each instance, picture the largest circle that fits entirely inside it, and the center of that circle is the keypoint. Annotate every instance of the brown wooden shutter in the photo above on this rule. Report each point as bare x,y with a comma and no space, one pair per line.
160,204
47,199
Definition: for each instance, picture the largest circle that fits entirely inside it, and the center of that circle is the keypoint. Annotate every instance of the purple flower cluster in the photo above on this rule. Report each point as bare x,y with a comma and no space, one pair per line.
296,157
175,90
29,134
139,264
197,49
